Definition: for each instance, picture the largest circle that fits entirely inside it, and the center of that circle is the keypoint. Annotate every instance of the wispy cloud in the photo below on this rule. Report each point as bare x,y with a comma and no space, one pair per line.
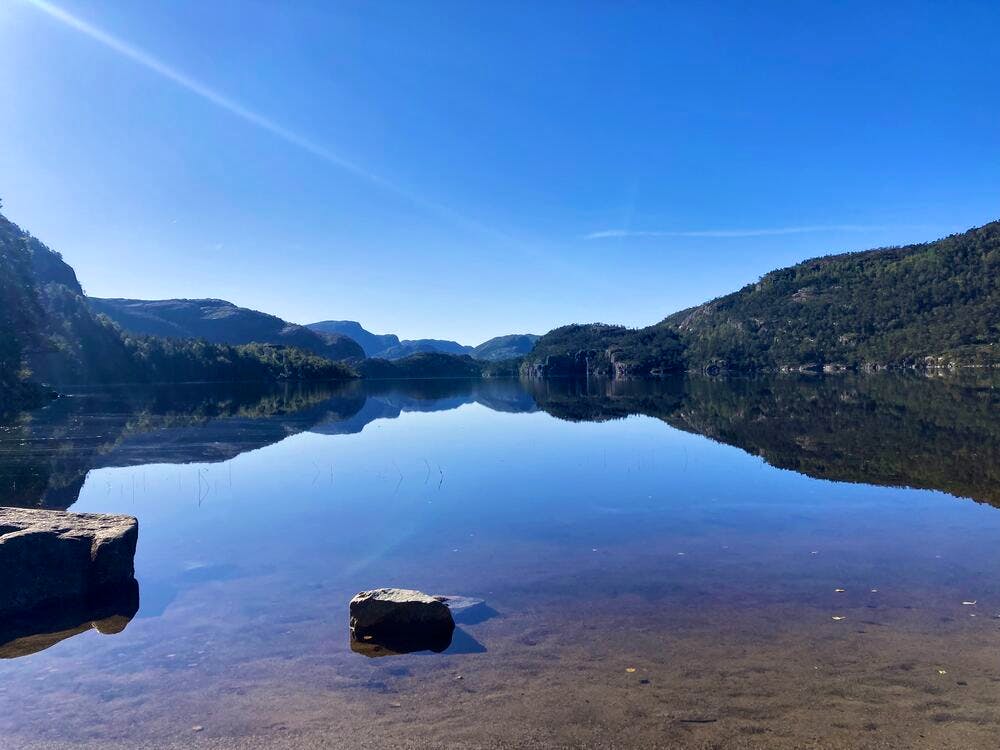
241,111
723,233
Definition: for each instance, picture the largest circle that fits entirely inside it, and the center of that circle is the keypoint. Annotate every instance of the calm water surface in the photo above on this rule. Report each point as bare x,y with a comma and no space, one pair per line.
779,562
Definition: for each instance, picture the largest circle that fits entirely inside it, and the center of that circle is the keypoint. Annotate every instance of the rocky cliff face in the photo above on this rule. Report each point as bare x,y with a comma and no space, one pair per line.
580,363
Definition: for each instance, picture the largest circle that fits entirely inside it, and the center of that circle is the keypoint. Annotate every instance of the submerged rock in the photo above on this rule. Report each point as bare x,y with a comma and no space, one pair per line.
50,558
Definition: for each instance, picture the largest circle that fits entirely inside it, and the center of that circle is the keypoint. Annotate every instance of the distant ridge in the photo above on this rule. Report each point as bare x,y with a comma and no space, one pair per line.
506,347
407,348
221,322
372,343
389,346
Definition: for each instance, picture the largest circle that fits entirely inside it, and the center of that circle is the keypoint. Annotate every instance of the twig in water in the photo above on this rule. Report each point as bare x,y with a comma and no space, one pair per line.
208,487
396,489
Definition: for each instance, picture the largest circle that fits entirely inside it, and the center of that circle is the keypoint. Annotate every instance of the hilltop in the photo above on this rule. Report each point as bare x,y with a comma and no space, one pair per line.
371,343
50,334
221,322
935,304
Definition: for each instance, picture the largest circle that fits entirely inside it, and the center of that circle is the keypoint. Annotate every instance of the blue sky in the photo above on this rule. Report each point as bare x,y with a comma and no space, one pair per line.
463,170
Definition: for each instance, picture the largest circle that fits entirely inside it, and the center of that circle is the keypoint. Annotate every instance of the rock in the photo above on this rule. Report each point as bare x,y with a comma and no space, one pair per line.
388,621
49,558
395,610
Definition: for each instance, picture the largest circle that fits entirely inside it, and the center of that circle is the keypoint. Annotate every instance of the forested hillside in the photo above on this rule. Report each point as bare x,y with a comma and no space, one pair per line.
422,365
928,305
505,347
49,334
604,350
20,318
936,303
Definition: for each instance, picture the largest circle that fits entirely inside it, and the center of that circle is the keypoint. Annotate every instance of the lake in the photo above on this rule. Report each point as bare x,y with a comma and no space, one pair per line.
794,561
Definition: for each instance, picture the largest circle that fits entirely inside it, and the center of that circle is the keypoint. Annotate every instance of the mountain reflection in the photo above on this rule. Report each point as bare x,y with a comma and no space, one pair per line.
940,433
888,429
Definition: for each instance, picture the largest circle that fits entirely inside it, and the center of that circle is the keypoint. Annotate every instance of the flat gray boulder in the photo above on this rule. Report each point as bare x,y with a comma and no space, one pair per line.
49,557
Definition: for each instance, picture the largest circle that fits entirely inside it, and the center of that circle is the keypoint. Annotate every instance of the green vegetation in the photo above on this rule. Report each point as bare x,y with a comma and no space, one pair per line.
174,361
931,304
605,350
505,347
423,365
20,319
48,333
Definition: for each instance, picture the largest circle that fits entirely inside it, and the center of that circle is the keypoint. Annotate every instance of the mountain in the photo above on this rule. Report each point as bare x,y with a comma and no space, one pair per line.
407,348
221,322
388,346
936,303
505,347
372,343
604,350
929,305
421,365
50,334
21,315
